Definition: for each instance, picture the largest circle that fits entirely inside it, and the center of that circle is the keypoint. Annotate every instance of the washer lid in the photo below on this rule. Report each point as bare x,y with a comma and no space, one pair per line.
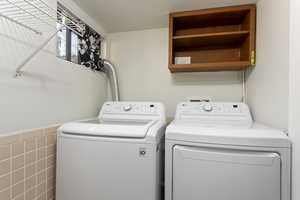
257,135
124,129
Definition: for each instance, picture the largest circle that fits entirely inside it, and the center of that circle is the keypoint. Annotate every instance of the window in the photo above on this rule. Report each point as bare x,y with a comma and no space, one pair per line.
84,48
67,45
74,48
61,49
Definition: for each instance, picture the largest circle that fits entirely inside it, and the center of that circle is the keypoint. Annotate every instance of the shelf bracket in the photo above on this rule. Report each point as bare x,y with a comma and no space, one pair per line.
20,67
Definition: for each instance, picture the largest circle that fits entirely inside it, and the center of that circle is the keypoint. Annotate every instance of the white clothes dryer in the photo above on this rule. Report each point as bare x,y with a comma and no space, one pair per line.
214,151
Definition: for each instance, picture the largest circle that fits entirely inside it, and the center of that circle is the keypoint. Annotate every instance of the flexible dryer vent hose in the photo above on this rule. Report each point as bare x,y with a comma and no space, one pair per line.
115,87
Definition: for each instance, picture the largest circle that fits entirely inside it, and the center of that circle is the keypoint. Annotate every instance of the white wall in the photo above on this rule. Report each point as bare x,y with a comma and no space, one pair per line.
294,110
51,90
141,58
267,83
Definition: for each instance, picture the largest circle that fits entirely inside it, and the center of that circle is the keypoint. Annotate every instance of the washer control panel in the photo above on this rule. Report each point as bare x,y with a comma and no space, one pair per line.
133,108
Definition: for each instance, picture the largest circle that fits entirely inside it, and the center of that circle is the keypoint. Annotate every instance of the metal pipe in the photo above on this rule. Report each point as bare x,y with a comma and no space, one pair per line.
111,67
18,70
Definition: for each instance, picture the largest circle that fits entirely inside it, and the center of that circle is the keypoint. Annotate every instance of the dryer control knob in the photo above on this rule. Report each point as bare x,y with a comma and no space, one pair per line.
127,108
207,107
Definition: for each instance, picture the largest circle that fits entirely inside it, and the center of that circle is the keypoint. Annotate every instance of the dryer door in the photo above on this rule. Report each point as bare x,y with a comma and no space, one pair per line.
215,174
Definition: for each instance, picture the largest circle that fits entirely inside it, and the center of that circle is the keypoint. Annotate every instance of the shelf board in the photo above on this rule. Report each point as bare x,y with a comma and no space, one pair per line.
210,67
200,40
212,34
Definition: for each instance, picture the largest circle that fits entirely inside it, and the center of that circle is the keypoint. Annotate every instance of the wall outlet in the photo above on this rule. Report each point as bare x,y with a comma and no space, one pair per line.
198,99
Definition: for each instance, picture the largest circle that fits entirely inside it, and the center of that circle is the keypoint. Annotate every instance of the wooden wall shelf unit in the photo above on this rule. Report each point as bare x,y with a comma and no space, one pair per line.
219,39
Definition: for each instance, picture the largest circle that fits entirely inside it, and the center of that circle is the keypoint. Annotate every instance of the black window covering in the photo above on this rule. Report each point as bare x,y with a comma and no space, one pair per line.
88,45
90,49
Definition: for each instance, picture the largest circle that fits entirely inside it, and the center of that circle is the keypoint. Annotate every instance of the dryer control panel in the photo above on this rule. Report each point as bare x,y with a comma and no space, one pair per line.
215,112
133,110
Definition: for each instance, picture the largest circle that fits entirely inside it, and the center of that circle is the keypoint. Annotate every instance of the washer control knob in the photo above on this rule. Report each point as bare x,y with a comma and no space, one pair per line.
207,108
127,108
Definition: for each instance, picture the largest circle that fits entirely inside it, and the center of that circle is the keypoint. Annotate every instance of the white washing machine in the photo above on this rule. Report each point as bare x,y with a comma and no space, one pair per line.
117,156
215,152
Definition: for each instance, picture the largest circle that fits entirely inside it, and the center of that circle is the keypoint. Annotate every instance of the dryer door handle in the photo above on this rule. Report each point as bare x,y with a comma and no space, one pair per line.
228,155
